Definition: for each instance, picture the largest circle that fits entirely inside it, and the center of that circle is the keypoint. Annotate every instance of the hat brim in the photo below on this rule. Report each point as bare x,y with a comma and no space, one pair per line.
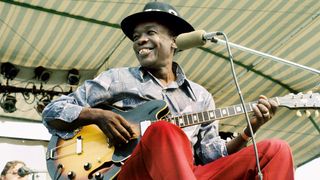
174,23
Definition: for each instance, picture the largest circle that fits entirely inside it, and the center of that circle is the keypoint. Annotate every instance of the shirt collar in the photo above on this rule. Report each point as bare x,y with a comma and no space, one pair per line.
182,80
178,70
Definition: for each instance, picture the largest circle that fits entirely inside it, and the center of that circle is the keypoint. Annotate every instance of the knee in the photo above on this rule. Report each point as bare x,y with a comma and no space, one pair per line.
276,143
277,146
162,130
161,126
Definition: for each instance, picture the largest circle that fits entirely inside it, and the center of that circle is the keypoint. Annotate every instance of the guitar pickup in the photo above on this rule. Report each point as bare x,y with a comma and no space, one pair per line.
143,126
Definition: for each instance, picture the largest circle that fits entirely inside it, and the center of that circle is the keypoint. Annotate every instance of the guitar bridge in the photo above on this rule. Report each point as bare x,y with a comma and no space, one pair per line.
78,149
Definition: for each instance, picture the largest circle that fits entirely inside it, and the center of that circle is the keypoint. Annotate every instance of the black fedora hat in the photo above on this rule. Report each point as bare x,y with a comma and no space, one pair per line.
160,12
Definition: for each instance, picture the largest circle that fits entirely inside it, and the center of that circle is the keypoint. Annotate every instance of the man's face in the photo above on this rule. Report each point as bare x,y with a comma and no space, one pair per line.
12,173
153,45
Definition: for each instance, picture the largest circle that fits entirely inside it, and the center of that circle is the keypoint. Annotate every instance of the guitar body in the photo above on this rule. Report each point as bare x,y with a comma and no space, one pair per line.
88,152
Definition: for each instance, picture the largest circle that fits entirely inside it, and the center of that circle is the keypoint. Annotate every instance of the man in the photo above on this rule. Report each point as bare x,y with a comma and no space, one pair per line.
10,171
166,151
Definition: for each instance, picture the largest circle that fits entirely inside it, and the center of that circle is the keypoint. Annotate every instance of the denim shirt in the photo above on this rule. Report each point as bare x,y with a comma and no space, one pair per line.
132,86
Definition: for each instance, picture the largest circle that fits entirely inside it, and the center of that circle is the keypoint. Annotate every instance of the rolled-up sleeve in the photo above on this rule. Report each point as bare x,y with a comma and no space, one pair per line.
67,108
63,109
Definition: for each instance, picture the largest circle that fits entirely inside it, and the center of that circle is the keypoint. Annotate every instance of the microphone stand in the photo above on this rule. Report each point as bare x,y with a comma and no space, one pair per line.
32,172
274,58
36,172
242,103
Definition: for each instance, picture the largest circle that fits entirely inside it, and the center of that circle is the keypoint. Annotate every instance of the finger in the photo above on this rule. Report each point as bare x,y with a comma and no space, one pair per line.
257,112
266,103
127,126
263,108
274,106
265,112
110,137
262,113
123,132
266,115
263,97
118,138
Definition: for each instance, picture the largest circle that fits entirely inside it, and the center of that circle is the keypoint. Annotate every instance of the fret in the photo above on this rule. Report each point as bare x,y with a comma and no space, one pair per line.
238,109
180,121
231,111
168,119
185,119
248,107
211,115
200,116
205,116
224,112
171,120
218,113
251,105
195,118
189,117
176,119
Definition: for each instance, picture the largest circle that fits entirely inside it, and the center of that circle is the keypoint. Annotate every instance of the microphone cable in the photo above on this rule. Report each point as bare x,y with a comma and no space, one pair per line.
242,102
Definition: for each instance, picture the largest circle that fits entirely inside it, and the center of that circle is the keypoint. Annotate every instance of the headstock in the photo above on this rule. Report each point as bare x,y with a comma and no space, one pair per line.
300,101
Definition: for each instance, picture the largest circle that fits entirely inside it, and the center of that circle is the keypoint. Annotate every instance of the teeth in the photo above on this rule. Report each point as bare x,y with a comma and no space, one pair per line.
144,51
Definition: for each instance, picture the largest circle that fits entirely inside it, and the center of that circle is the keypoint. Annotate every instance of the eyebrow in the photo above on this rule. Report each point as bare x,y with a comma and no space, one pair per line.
149,26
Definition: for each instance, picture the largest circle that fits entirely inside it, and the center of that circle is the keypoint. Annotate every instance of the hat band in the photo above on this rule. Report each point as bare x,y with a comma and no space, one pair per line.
171,11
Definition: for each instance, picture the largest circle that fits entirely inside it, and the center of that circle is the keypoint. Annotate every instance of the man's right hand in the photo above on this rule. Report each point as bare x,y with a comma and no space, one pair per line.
115,127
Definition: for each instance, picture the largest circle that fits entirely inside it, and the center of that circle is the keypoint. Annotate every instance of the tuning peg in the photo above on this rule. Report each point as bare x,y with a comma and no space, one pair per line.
299,95
298,113
308,113
316,113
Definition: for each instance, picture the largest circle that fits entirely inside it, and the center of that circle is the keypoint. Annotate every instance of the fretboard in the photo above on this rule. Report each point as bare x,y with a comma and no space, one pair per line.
291,101
209,116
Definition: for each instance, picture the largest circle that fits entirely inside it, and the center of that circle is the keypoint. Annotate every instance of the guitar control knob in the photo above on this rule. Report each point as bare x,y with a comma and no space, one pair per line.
87,166
98,176
71,175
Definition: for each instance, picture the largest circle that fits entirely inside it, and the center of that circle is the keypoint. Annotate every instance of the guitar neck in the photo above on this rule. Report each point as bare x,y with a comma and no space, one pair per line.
209,116
291,101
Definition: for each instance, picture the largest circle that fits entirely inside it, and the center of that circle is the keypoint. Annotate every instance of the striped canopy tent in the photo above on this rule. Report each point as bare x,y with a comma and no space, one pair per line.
85,35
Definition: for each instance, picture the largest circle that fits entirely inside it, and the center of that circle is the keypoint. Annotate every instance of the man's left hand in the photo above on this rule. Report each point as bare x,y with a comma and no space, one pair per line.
263,112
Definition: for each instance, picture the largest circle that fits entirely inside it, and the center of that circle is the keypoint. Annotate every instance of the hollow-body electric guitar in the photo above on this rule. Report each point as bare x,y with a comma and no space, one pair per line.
88,154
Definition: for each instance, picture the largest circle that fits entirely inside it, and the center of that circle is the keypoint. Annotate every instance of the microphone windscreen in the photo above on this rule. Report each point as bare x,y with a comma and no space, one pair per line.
23,171
190,40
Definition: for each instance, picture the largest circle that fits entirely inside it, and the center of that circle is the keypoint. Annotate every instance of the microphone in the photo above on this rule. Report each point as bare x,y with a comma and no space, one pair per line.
23,171
194,39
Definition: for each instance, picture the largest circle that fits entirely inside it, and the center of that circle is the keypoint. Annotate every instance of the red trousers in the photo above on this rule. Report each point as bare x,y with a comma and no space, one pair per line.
164,152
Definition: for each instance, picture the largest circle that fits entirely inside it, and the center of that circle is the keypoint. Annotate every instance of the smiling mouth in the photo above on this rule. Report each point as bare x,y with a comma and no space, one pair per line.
144,51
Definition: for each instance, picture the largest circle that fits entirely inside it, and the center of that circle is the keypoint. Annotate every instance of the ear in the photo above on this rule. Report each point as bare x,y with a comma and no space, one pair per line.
173,43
